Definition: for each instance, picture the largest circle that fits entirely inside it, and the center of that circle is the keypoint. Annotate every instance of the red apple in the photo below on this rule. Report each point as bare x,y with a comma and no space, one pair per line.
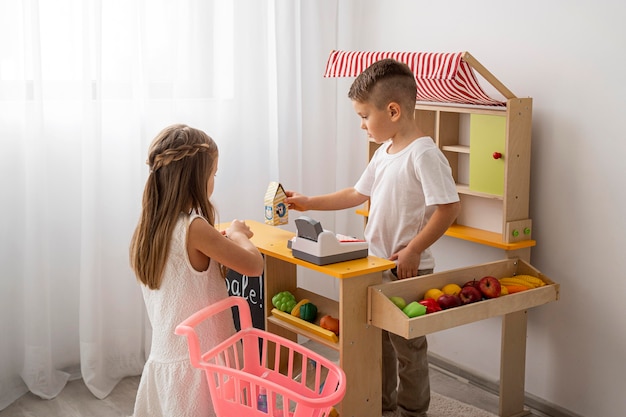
447,301
470,294
473,283
431,305
490,287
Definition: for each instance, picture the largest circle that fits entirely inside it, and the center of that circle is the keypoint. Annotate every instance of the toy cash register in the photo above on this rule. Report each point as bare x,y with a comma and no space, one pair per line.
321,247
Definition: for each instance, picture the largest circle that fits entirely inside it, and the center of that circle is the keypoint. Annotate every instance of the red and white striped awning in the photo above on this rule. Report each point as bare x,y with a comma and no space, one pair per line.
441,77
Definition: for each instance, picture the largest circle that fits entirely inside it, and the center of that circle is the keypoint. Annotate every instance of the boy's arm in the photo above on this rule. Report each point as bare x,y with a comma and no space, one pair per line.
408,258
339,200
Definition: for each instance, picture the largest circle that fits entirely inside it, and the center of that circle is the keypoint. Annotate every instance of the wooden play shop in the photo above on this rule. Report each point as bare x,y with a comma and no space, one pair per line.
363,309
487,142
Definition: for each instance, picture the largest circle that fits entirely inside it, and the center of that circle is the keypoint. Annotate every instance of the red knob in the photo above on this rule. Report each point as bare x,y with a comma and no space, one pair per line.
497,155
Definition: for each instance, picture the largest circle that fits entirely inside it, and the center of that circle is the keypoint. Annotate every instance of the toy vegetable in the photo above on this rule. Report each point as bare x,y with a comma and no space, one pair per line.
414,309
330,323
284,301
308,312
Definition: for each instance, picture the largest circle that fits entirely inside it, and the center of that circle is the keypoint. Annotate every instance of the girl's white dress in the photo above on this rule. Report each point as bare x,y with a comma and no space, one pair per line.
170,386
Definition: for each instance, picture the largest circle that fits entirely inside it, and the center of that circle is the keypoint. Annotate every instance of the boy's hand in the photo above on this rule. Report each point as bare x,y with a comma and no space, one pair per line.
296,201
407,262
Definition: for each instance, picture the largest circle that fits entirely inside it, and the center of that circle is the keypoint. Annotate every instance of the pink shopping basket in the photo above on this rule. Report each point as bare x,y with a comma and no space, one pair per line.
257,373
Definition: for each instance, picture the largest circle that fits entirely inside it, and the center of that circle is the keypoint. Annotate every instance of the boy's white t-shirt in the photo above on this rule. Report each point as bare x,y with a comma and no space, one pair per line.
404,189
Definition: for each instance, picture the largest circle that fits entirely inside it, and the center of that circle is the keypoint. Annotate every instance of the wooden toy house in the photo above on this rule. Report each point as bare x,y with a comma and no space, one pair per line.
276,211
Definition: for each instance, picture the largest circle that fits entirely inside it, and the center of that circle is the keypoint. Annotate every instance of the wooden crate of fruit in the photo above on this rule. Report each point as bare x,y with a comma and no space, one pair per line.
386,314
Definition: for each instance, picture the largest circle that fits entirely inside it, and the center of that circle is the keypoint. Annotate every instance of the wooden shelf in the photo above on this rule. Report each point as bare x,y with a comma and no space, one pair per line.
464,189
469,136
485,237
472,234
456,148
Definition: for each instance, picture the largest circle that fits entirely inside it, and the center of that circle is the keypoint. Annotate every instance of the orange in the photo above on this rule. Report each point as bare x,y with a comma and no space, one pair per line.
433,293
451,289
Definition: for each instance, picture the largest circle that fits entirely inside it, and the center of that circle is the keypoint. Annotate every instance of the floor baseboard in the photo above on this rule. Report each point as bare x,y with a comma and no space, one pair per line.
538,405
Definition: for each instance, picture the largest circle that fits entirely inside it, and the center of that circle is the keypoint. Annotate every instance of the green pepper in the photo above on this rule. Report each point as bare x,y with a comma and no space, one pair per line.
284,301
414,309
308,312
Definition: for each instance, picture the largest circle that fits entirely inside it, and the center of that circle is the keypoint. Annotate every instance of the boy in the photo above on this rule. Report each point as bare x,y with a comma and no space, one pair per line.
413,201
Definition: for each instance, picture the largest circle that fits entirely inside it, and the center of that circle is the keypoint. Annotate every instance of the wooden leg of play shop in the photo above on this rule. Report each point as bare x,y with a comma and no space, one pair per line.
360,353
523,254
513,364
278,276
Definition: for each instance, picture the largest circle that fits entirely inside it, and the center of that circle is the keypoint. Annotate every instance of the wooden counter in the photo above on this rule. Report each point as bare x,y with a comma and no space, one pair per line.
359,343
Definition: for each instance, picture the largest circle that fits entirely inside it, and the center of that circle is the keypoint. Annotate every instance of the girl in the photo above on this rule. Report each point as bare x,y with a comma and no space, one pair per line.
177,254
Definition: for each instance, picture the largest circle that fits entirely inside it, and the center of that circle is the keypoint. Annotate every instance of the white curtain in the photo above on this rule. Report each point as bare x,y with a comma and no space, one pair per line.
84,87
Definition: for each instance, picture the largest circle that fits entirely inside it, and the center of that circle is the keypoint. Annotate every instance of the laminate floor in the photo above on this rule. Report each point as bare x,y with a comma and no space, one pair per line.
77,401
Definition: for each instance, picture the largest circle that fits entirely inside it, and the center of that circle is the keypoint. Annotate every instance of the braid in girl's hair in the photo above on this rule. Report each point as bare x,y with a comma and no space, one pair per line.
171,155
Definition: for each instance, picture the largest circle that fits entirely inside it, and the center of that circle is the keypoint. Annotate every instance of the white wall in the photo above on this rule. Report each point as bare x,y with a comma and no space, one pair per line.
569,57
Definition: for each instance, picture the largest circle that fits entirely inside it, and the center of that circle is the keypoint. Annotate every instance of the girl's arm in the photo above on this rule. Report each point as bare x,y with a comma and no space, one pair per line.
232,249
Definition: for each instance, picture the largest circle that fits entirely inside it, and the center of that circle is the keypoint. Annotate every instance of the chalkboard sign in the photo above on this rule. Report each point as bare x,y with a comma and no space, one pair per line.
250,288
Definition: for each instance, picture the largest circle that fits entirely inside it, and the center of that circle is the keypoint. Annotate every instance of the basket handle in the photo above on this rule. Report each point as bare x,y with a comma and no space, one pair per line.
187,327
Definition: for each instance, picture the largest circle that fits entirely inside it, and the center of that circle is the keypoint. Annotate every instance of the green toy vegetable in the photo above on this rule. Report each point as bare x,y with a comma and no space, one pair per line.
284,301
414,309
308,312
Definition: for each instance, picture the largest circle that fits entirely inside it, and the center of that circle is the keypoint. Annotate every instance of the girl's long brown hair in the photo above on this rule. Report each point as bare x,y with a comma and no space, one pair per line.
181,159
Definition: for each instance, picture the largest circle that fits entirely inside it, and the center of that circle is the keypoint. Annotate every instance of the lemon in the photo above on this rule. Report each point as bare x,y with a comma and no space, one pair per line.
451,289
433,293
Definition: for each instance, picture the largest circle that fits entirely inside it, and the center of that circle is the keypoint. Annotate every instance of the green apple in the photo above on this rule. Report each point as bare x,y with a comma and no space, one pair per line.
398,301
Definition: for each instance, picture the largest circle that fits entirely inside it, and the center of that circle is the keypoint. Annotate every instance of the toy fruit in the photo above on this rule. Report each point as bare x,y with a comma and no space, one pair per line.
433,293
284,301
308,312
473,283
526,280
447,301
470,294
414,309
296,310
330,323
453,289
490,287
398,301
431,305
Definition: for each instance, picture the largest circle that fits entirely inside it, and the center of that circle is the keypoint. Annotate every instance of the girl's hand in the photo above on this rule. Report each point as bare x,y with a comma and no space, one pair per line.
239,226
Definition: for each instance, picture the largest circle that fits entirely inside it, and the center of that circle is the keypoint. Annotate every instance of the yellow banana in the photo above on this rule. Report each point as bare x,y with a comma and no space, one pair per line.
296,310
535,280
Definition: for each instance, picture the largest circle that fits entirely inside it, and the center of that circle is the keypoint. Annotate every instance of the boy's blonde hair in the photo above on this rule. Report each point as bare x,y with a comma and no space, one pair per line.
386,81
181,159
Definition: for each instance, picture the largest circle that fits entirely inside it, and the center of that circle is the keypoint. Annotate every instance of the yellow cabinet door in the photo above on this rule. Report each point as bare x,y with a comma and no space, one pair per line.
487,145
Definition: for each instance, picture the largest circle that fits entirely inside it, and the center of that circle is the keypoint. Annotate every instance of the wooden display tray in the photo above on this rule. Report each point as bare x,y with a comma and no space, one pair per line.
384,314
305,325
